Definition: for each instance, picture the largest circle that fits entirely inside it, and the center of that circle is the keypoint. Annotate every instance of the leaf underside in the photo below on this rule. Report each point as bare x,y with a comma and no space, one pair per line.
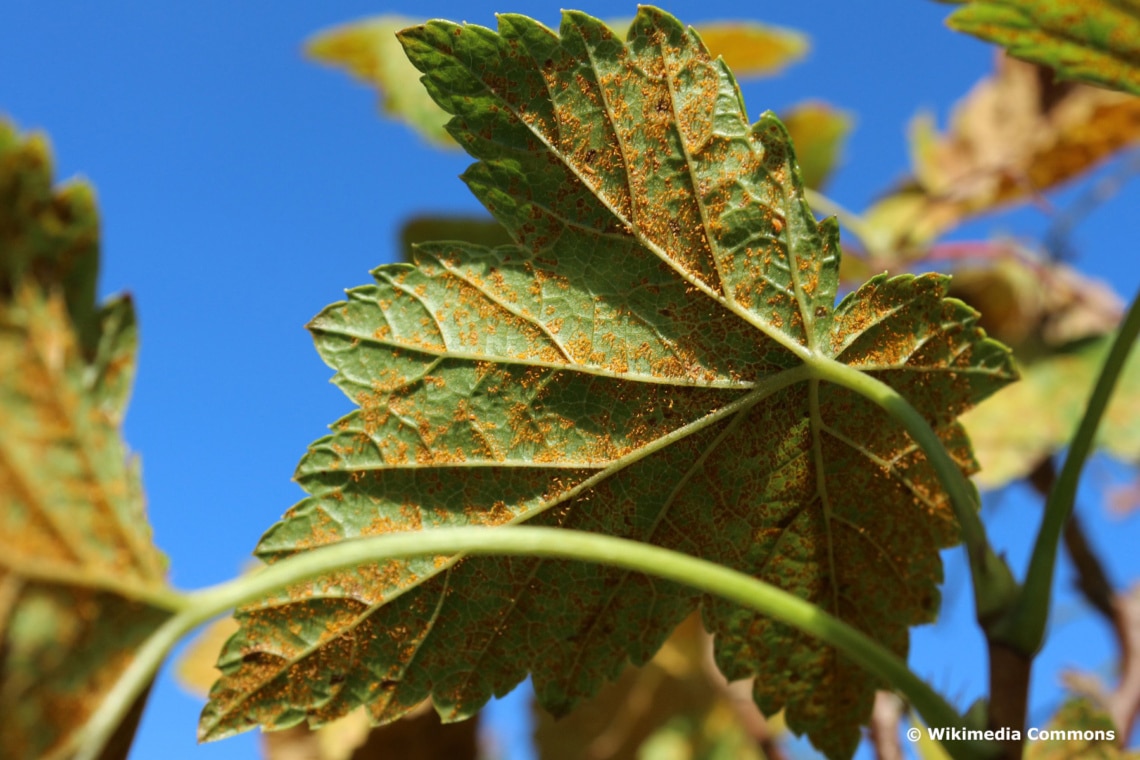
634,365
72,523
1094,41
369,50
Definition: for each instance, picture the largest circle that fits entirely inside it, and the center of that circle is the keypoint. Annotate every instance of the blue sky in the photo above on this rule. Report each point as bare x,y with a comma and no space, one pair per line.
243,188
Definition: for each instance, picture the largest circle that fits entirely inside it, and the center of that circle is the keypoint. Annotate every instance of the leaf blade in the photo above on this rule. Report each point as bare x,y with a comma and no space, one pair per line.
82,584
639,363
1095,43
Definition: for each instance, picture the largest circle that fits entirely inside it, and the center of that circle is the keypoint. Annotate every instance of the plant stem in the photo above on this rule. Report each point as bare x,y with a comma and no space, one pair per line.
1024,628
994,586
538,542
1092,578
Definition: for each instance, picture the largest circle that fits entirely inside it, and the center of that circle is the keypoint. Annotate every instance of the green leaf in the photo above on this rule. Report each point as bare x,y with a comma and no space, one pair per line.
1033,419
1079,731
643,363
1094,41
78,571
368,50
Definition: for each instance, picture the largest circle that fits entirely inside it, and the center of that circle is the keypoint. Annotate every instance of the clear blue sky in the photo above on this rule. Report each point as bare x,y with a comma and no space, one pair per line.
243,188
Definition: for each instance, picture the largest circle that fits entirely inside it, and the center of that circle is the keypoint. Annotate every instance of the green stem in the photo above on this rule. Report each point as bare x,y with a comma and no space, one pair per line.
1024,628
536,542
994,585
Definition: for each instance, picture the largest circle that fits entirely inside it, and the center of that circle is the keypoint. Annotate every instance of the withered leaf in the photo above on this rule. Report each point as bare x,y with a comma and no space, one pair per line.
646,362
1015,135
78,571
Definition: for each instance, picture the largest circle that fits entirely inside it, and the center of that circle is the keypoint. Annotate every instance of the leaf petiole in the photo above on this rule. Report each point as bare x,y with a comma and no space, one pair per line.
1024,628
519,540
995,588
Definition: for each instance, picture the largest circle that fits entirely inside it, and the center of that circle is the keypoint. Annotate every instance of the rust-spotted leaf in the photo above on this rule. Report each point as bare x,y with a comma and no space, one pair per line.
79,576
646,361
369,51
1095,41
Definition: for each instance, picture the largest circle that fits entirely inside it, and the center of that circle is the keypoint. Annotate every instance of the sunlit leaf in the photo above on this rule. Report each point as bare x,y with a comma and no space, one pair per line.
712,736
1079,731
368,50
1016,135
818,131
639,365
750,49
1095,41
1030,420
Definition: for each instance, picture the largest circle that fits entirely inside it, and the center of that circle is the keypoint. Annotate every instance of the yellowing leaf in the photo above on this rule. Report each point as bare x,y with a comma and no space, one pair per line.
818,131
1032,419
369,51
649,361
750,49
1016,134
1079,731
76,564
1095,41
77,567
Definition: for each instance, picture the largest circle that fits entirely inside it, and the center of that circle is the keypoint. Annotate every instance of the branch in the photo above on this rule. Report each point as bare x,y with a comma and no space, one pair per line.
885,726
560,543
1092,580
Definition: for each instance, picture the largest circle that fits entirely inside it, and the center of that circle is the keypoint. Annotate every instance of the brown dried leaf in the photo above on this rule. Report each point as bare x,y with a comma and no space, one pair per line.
1016,135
